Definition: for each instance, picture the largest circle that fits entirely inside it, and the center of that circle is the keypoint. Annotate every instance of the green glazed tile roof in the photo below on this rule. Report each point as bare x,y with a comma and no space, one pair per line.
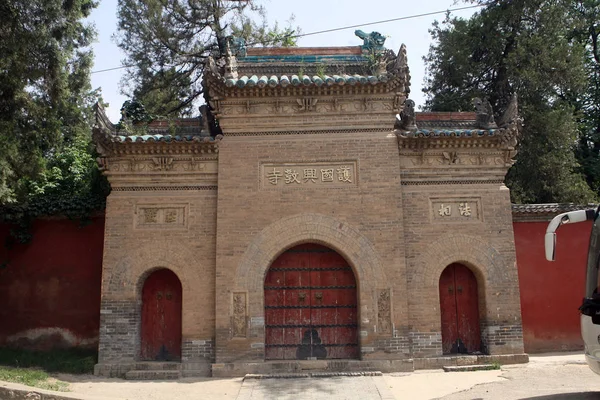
304,80
161,138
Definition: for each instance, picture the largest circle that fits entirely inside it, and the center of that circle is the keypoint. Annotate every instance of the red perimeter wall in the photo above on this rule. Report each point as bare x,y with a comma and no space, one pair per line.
551,292
50,289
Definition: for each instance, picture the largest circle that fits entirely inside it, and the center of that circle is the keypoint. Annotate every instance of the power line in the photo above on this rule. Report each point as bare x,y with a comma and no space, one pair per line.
388,20
343,28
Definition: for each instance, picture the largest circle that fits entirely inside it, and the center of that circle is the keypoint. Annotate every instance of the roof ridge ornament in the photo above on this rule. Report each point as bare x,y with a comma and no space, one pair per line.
406,121
485,113
237,46
373,41
511,114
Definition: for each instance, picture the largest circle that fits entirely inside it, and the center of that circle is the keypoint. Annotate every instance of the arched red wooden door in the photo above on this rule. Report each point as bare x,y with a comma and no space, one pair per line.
310,306
161,317
459,305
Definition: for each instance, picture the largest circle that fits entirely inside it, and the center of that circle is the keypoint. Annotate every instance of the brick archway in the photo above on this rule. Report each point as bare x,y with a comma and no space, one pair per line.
484,260
498,293
128,275
308,228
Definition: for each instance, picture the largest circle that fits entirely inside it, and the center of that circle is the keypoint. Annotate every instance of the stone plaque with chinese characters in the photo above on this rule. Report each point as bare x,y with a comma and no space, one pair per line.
335,174
456,209
148,216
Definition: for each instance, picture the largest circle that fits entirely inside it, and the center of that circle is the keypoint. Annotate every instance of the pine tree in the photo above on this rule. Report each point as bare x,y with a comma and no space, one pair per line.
167,42
45,93
524,47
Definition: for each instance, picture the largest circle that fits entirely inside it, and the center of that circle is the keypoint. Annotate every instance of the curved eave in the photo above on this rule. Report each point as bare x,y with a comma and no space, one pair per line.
109,143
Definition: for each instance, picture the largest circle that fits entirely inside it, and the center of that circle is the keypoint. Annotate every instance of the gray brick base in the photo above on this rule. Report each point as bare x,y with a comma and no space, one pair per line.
119,331
198,350
426,344
503,339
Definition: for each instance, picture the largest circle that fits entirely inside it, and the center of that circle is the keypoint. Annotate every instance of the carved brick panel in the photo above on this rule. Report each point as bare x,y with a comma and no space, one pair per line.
384,311
154,216
239,315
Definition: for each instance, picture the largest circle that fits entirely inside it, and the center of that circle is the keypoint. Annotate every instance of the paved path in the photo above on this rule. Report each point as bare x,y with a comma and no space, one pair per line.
341,387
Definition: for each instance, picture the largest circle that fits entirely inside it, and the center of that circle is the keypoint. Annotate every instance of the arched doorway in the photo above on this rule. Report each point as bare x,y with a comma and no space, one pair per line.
161,317
459,307
310,306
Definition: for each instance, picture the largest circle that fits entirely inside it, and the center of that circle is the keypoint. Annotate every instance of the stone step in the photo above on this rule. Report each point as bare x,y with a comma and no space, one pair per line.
150,375
157,366
321,374
463,368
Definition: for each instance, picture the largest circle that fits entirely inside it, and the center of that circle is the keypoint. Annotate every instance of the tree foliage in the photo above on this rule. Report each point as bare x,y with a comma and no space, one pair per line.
46,162
525,47
587,32
167,42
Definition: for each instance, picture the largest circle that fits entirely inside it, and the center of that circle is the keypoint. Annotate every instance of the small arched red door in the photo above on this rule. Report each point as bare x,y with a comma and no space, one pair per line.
161,317
459,306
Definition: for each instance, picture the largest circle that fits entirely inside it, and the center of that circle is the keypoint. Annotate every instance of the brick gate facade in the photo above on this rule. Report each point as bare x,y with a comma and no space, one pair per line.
312,146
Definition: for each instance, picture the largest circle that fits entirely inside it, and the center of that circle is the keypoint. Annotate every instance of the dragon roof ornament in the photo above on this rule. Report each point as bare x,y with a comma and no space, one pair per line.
373,41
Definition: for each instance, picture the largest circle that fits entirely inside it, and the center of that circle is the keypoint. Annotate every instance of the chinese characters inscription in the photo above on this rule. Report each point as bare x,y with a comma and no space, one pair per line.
325,174
456,210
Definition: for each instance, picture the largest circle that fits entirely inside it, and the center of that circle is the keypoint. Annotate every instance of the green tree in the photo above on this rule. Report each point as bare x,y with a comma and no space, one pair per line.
587,32
46,162
167,42
522,46
44,72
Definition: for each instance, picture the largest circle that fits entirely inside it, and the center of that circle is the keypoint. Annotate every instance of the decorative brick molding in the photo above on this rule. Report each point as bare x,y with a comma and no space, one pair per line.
128,275
485,261
302,228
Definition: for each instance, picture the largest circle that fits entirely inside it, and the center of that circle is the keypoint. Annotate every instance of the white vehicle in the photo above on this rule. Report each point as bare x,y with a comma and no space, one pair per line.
590,309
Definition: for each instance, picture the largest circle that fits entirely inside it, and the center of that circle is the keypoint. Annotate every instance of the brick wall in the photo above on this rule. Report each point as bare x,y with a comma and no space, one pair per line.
134,249
362,222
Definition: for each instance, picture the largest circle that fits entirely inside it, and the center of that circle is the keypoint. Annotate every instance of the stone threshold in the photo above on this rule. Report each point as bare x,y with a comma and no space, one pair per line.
469,368
312,375
469,360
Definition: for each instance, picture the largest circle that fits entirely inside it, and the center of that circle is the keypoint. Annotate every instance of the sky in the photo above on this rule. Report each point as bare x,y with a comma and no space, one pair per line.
310,16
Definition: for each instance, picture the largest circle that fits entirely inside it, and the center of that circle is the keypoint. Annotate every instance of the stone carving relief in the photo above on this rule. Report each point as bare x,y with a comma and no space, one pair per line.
239,315
307,104
384,312
162,164
447,158
301,105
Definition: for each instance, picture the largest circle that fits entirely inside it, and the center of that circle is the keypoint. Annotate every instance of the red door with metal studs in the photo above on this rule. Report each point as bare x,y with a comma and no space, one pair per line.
161,317
459,306
310,306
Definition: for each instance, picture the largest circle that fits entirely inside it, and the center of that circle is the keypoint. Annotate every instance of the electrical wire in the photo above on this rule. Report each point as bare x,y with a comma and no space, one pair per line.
341,28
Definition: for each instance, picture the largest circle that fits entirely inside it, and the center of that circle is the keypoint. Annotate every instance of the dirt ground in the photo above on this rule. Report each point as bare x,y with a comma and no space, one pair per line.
554,375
